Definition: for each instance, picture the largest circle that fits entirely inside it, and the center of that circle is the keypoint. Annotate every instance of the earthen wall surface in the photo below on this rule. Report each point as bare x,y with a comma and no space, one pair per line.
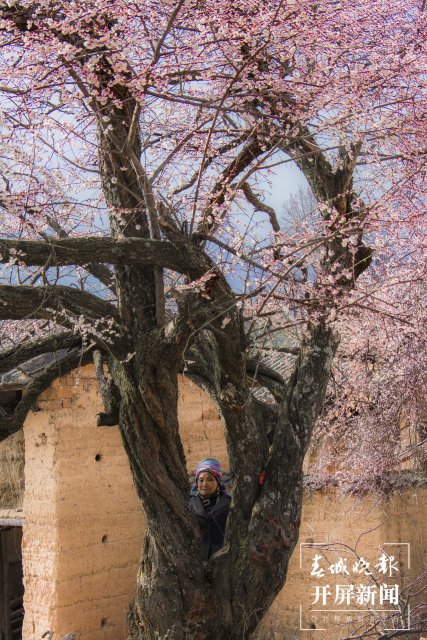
200,427
349,527
84,526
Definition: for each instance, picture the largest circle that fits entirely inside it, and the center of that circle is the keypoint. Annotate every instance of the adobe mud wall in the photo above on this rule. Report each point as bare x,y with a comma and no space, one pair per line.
84,527
200,427
350,528
83,523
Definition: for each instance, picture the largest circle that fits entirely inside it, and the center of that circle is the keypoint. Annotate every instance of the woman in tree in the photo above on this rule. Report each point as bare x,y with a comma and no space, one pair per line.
210,503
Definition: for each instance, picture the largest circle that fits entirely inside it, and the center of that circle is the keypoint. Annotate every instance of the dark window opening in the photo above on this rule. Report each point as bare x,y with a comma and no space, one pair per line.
9,400
11,584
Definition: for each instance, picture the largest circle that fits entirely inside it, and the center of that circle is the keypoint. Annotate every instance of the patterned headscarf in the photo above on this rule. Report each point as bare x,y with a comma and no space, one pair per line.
212,466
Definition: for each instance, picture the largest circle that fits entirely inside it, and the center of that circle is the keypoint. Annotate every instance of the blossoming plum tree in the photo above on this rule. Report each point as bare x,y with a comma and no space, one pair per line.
137,145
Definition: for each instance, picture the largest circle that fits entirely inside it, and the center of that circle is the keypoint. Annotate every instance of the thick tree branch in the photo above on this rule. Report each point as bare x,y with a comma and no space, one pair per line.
199,366
80,251
29,350
307,385
13,423
252,150
152,209
99,271
57,303
333,186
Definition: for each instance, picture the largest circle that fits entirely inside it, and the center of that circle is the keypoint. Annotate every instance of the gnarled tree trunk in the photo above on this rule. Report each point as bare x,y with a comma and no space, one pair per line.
178,594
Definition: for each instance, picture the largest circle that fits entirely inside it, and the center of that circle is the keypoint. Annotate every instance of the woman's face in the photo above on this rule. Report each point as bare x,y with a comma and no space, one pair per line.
206,484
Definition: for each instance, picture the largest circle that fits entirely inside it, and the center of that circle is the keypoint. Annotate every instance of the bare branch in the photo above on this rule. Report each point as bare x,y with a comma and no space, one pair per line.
99,271
245,158
256,202
13,91
168,27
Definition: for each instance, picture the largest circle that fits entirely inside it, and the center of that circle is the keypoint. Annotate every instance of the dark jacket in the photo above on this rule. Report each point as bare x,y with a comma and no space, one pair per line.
212,523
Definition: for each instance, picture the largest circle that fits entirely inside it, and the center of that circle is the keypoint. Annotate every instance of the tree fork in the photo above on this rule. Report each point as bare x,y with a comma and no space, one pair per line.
226,598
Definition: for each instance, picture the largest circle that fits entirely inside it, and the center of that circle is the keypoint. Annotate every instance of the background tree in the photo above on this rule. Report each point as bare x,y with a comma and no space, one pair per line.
137,143
374,420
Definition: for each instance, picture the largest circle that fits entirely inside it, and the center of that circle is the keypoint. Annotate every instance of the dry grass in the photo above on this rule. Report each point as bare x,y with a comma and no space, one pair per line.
12,471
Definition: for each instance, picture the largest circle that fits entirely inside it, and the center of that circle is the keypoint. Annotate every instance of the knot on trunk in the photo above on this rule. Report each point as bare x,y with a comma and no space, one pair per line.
232,397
